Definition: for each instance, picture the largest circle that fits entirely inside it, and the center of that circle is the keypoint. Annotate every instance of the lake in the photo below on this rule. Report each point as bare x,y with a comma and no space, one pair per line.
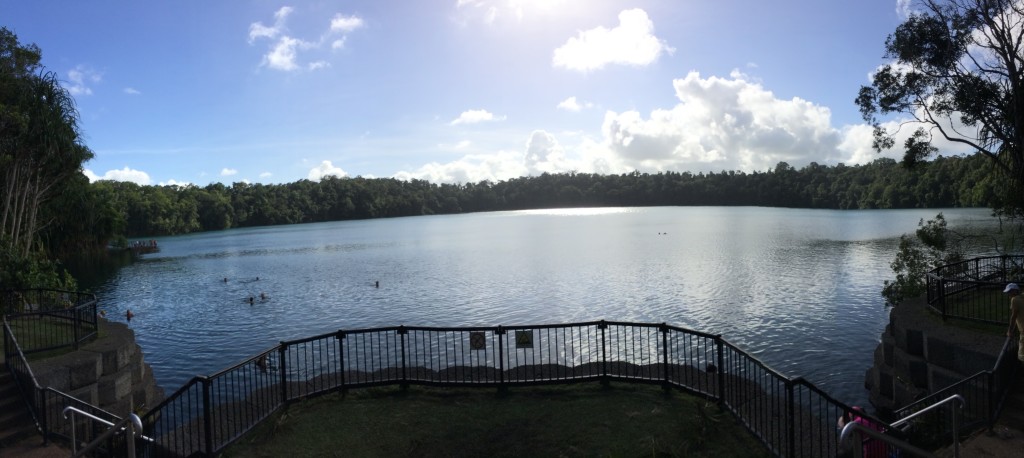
799,289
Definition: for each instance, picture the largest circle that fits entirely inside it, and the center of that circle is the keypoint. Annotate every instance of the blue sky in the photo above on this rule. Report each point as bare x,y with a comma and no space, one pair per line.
459,90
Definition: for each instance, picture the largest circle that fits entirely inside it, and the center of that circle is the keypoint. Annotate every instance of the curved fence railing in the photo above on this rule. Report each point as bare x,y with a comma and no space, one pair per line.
48,320
790,416
972,289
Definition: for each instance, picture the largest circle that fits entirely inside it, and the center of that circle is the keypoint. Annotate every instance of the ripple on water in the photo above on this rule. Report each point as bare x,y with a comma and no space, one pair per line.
797,288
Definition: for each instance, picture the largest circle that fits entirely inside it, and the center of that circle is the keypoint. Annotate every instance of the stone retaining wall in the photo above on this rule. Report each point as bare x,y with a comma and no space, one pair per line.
108,373
919,354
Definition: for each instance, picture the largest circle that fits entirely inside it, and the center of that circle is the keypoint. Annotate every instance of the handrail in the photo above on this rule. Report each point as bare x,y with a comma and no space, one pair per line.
956,426
132,423
902,444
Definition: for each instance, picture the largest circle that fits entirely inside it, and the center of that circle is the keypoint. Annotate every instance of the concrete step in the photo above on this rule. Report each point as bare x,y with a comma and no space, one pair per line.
16,422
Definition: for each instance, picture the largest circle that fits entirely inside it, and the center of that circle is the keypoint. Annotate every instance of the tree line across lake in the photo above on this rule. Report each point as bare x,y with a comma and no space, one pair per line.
110,210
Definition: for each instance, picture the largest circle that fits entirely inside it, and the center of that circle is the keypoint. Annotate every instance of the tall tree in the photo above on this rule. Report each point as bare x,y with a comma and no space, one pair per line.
957,73
41,155
38,157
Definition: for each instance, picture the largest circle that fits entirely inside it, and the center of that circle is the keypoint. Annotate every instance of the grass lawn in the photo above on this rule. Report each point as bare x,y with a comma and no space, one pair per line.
620,420
39,333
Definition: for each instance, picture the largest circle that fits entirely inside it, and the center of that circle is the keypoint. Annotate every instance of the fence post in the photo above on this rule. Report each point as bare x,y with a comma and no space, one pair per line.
604,351
720,349
664,346
76,325
790,413
1002,268
340,337
207,417
942,297
991,398
402,332
40,404
283,365
500,332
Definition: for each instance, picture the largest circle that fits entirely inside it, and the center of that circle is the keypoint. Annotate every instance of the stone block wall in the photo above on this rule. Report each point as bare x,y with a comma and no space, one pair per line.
919,354
108,373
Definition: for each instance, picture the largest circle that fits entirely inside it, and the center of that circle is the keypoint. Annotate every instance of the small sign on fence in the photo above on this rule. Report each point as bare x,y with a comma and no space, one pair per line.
524,339
477,340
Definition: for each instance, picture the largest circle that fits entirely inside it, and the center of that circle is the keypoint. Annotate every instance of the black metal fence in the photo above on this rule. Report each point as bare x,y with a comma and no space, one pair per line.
790,416
984,394
46,405
50,319
972,289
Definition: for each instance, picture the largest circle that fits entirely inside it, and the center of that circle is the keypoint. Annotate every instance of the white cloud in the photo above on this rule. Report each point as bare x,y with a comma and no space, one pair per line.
463,144
125,174
226,172
345,24
490,11
325,169
715,124
723,124
903,9
285,51
183,184
81,78
571,104
132,91
258,30
632,42
499,166
475,116
544,154
266,175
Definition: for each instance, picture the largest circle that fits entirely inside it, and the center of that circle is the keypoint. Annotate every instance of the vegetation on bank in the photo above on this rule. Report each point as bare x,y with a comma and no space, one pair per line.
161,210
567,420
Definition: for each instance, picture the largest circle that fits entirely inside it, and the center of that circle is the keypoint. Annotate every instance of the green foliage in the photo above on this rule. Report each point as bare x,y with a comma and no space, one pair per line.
146,211
32,271
934,245
44,201
955,74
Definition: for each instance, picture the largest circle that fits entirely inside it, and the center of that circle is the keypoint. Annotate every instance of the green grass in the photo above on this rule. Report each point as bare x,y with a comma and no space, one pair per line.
565,420
37,333
985,304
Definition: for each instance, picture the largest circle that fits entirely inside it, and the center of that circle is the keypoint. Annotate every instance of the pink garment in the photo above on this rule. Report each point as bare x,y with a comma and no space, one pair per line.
872,448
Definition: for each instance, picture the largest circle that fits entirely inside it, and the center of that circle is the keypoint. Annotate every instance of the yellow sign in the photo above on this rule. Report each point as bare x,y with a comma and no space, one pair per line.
524,339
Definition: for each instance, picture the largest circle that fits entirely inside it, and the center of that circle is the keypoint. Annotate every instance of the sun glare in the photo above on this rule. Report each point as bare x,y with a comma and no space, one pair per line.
579,211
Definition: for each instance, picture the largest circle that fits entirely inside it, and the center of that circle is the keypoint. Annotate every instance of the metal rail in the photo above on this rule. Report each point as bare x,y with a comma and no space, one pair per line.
956,426
858,451
132,424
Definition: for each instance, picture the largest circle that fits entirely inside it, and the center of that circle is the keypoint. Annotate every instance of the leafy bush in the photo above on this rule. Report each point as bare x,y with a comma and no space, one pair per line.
934,245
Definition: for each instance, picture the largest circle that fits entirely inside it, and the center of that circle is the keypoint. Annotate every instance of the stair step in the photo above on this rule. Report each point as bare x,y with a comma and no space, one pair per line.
16,422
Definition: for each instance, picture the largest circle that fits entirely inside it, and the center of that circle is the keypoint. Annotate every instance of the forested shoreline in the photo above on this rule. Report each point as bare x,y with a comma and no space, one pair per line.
145,211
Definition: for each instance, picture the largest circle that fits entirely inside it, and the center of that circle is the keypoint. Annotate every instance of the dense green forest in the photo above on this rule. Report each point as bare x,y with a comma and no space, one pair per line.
116,208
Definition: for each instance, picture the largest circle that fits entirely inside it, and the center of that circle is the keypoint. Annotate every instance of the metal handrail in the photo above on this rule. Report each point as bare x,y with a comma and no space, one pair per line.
956,426
877,435
132,423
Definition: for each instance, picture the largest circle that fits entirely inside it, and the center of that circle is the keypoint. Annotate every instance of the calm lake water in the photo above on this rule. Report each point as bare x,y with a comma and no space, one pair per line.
797,288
